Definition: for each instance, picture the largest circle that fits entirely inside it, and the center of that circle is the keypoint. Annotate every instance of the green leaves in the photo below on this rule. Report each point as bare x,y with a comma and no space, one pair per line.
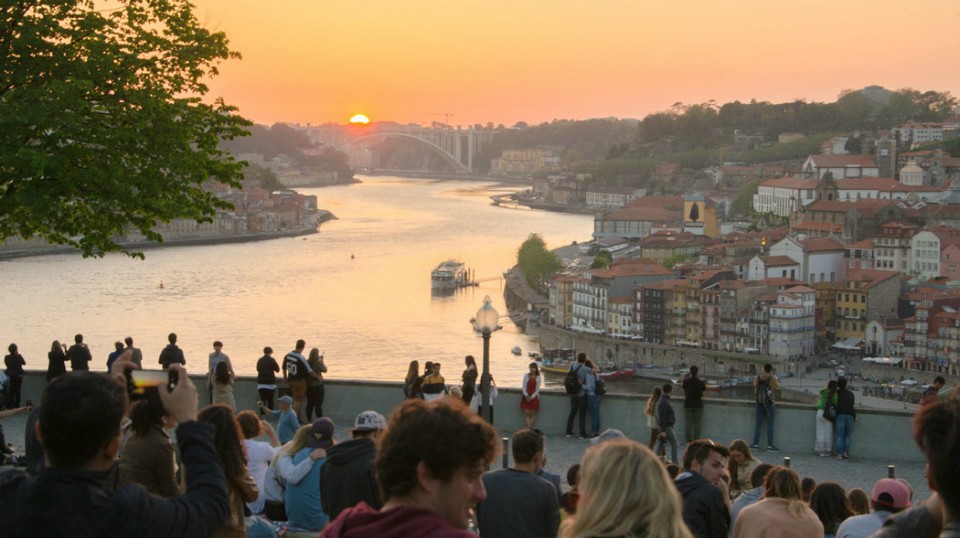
103,125
536,262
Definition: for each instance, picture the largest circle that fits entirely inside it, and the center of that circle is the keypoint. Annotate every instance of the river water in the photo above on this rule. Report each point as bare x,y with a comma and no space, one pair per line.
359,290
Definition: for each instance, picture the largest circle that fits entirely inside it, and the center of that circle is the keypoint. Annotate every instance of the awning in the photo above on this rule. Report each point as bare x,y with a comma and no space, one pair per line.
883,360
849,344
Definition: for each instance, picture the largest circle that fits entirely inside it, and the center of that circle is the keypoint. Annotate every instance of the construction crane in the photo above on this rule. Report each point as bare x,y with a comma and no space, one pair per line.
446,116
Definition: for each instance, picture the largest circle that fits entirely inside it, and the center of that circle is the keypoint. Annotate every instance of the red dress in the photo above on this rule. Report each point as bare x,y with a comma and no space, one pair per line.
531,387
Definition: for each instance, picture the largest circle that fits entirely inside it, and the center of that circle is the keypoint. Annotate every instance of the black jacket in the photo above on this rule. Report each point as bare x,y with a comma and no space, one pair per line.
64,502
348,477
845,403
704,511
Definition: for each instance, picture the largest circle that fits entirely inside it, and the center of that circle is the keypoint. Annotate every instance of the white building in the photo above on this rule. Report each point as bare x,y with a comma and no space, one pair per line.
792,323
784,195
914,134
925,255
820,259
610,198
841,166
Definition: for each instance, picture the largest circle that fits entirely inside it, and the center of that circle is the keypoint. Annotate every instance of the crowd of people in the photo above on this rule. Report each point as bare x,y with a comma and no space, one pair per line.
102,467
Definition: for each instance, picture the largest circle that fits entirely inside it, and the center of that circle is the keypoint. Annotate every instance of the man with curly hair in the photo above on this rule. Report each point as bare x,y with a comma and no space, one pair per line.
429,463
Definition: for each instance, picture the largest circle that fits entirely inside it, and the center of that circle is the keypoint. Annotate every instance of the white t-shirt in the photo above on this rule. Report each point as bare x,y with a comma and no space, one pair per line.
259,456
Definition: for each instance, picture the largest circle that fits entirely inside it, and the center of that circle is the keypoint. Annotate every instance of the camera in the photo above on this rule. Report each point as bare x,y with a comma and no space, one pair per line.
145,384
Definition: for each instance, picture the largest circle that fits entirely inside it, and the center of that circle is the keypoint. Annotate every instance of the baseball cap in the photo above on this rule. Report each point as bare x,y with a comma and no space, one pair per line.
369,421
322,433
891,493
285,399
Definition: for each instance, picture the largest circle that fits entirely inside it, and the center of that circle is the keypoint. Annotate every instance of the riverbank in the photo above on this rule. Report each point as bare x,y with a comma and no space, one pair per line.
178,242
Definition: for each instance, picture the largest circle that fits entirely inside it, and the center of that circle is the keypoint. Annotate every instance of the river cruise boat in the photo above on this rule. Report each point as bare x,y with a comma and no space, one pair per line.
449,275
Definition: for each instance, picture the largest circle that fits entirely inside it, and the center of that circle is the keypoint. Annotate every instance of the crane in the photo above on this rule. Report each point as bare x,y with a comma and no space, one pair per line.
446,116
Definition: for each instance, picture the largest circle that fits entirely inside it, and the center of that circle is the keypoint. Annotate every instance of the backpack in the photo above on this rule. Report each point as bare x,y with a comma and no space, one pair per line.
572,383
601,387
830,411
763,392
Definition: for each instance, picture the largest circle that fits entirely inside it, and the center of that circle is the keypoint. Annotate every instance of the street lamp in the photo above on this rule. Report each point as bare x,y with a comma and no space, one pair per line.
487,321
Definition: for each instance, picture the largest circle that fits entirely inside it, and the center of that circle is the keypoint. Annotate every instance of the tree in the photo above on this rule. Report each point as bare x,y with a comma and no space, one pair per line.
536,262
102,124
602,260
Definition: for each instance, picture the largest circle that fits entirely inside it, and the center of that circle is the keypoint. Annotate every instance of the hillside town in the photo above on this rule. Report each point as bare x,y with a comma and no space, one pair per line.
855,254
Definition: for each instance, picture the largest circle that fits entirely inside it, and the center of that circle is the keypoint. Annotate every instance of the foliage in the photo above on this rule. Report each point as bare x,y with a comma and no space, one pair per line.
574,140
670,261
536,262
603,260
283,140
743,200
102,123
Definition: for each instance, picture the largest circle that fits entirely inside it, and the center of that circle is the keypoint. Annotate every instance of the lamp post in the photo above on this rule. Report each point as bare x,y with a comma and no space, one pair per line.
487,320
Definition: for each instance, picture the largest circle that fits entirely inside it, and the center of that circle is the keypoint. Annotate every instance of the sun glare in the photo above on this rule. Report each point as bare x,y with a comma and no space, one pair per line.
360,118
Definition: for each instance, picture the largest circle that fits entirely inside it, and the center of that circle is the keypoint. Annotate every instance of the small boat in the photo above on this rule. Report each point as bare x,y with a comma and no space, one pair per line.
624,373
516,350
449,275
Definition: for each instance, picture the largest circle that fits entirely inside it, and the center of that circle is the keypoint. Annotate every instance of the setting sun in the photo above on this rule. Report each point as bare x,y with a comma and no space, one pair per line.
360,118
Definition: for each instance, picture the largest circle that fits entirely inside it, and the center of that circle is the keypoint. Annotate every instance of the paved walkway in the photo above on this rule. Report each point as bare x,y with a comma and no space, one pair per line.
562,452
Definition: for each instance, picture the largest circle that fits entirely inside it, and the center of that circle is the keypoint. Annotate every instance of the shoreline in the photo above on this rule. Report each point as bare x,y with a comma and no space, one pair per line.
6,255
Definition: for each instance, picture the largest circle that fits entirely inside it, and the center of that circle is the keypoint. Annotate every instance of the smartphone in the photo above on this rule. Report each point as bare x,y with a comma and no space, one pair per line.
143,384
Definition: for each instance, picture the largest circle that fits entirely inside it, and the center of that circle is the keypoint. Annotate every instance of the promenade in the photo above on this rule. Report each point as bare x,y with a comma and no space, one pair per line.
881,438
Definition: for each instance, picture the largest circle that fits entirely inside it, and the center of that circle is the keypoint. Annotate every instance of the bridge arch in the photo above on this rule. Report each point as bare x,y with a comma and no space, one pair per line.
450,159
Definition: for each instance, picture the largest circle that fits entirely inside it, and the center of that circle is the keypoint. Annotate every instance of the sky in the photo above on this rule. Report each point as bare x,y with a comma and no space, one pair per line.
479,61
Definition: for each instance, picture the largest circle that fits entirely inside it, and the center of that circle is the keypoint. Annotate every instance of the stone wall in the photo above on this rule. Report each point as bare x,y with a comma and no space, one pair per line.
883,435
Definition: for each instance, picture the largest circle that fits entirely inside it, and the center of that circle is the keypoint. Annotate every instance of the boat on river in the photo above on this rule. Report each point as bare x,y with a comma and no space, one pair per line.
449,275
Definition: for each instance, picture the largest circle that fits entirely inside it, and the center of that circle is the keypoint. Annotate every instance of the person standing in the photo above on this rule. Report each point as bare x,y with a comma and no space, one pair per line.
136,356
115,354
267,369
530,395
57,360
828,399
411,383
222,390
171,354
14,363
666,418
846,414
651,413
296,371
434,386
693,389
764,385
216,358
315,389
79,354
589,381
578,404
469,379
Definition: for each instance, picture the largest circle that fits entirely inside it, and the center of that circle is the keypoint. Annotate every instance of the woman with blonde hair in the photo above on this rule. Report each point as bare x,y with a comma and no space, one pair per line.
625,492
282,468
781,513
409,382
742,464
651,412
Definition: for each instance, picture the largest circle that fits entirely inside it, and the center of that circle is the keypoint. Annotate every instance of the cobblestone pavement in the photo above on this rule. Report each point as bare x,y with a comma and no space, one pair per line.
562,452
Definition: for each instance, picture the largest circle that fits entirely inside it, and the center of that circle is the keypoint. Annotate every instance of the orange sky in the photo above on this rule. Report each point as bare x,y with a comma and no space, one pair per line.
503,61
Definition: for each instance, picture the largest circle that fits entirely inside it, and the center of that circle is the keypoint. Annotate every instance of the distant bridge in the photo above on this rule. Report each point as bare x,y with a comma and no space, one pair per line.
458,147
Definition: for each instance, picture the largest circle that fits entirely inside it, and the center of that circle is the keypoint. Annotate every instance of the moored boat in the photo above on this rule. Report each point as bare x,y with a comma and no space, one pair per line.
449,275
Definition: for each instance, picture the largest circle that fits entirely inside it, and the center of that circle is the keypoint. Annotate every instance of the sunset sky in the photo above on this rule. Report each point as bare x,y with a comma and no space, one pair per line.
411,61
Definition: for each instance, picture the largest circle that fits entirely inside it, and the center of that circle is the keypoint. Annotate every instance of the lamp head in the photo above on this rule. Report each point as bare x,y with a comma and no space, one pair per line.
487,317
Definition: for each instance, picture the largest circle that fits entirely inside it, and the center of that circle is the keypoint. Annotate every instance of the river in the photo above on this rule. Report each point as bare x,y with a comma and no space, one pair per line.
359,290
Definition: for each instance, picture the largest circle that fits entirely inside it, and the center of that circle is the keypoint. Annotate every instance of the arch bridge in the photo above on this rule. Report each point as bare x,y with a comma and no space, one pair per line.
458,147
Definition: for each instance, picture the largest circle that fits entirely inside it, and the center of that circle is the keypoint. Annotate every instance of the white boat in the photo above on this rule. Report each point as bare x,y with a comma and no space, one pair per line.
516,350
449,275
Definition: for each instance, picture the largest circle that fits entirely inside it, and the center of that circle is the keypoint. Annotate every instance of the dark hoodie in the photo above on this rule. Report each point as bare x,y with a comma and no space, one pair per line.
348,476
704,511
361,521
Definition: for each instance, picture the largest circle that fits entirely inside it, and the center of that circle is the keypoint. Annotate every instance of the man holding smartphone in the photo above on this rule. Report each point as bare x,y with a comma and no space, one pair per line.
79,428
